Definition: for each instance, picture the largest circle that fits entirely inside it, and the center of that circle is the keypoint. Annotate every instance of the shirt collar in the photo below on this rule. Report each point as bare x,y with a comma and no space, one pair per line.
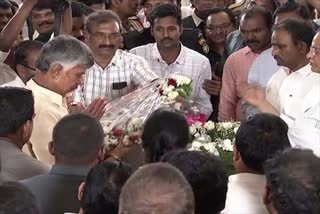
196,19
51,95
69,170
247,51
305,71
7,143
179,60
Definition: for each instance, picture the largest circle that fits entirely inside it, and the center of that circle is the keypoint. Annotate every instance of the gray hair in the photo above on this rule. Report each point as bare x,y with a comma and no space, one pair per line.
100,17
64,50
157,188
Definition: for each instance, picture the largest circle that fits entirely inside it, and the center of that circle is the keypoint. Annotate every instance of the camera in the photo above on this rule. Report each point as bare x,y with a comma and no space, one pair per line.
59,5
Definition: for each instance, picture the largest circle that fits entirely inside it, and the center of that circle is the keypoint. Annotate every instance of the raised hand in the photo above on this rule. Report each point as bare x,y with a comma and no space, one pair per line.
97,107
213,86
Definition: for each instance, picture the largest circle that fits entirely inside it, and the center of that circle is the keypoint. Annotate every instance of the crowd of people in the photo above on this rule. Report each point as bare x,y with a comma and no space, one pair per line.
62,62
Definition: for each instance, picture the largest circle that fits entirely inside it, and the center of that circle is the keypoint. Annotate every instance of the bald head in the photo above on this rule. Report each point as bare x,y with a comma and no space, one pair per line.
157,188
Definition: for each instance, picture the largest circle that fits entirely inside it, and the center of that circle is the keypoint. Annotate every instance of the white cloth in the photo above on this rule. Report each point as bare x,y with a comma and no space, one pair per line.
263,68
245,194
125,68
260,73
17,82
189,64
186,11
287,92
6,74
196,19
305,131
3,56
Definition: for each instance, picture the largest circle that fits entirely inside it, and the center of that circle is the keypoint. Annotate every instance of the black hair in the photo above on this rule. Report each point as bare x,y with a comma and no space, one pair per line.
23,49
166,10
301,10
224,10
254,11
293,180
100,17
300,30
207,176
103,186
164,131
143,2
259,138
44,4
5,4
16,199
78,138
16,108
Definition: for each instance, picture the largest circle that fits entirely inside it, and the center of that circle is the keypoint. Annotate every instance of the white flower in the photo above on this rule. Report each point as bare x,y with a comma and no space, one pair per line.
134,125
211,147
172,95
168,89
209,125
192,130
126,140
227,125
177,106
227,145
236,129
181,80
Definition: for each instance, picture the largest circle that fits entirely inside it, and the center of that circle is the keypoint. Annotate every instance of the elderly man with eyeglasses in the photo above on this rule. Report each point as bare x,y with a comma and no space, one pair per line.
115,73
24,58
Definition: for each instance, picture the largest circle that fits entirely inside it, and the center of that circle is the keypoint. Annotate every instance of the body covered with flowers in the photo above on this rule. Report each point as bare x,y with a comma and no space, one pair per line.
124,118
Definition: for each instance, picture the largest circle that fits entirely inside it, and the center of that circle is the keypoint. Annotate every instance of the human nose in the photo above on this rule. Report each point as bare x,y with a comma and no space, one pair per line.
311,53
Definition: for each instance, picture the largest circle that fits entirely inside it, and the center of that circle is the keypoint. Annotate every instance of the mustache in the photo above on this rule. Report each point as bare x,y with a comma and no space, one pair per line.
277,58
252,41
45,23
166,39
107,46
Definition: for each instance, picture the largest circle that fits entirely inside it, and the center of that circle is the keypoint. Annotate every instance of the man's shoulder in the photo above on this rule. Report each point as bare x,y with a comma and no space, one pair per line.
132,55
196,56
147,47
239,54
188,22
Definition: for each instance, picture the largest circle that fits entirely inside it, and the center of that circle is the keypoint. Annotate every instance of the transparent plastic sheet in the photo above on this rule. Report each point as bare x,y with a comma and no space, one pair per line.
138,104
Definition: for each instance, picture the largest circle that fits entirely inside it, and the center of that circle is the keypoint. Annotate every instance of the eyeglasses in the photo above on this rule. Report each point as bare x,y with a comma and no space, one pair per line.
315,51
29,67
102,36
216,27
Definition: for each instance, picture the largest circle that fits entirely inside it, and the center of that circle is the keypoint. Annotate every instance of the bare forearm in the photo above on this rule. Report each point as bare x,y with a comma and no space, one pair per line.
266,107
66,24
10,33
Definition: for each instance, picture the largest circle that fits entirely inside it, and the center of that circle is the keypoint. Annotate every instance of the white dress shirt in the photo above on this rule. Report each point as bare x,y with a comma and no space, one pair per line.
287,92
245,194
17,82
305,131
260,73
189,64
125,73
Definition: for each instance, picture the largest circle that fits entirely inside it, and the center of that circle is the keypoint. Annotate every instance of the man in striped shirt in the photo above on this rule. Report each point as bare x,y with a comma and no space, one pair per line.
168,55
115,73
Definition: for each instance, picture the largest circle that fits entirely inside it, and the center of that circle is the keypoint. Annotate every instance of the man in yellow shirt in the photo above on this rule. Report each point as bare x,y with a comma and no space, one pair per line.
62,63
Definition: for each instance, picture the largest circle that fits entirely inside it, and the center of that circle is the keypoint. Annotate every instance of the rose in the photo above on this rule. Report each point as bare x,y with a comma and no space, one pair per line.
172,82
117,132
209,125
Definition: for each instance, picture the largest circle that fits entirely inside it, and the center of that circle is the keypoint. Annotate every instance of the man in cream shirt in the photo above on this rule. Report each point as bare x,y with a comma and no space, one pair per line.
61,64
